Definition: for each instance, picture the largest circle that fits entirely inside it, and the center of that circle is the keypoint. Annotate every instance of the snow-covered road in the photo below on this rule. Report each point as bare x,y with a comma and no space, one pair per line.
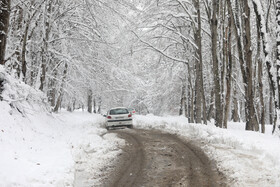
246,158
74,149
155,158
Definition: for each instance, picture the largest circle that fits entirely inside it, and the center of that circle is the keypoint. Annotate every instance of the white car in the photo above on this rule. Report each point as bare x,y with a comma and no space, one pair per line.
118,117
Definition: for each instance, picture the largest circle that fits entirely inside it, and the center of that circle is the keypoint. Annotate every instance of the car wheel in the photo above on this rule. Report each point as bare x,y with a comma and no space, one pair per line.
108,128
130,126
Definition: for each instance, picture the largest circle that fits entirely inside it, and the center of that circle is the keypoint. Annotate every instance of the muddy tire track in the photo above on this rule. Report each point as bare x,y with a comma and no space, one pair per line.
153,158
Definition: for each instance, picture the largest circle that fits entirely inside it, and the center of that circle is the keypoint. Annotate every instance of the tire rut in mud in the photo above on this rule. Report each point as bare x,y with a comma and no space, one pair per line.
153,158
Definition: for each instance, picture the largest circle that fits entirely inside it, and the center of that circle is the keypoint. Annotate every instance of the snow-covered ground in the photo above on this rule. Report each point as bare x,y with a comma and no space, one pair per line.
247,158
53,150
38,148
73,149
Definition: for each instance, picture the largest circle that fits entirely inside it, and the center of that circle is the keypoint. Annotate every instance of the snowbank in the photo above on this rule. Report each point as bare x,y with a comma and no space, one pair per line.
21,97
247,158
38,148
45,150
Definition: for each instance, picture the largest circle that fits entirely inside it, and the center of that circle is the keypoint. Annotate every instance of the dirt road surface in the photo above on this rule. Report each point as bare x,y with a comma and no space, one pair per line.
154,159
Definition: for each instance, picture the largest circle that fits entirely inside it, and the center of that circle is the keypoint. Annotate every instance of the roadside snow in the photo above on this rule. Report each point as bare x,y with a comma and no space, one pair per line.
48,150
247,158
42,149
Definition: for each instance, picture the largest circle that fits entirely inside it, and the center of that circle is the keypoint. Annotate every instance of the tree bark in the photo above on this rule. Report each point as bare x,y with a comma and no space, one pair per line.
16,26
4,25
52,93
228,75
45,46
59,99
250,110
277,105
211,107
182,102
23,51
218,107
200,103
271,119
100,102
260,71
186,105
245,61
191,97
94,105
90,101
223,55
262,112
235,112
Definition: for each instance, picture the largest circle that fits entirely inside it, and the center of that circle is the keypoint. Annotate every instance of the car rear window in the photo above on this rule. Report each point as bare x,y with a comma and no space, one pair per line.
119,111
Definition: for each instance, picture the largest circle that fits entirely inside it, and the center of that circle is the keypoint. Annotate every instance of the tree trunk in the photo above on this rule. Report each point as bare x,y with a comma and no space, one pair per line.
4,25
190,96
45,46
90,101
218,107
1,88
59,99
186,102
199,88
235,112
190,99
182,102
52,88
277,105
99,103
16,26
271,107
223,55
186,109
94,105
274,86
250,110
211,107
260,75
191,105
197,95
260,71
24,41
228,76
74,104
245,62
23,51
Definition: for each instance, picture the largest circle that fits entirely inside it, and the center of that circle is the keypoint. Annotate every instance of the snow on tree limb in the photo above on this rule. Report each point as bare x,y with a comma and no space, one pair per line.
160,51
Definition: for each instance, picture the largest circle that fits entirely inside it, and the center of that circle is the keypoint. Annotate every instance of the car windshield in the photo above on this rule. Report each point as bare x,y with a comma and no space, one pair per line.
119,111
130,109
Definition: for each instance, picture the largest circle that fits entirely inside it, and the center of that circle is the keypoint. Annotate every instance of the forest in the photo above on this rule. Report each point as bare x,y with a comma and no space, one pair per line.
204,59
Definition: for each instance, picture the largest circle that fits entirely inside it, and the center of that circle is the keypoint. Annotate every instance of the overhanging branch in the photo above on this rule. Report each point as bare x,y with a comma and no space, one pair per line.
160,51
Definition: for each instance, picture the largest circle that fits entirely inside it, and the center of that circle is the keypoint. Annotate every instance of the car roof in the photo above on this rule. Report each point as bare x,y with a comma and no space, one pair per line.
118,108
